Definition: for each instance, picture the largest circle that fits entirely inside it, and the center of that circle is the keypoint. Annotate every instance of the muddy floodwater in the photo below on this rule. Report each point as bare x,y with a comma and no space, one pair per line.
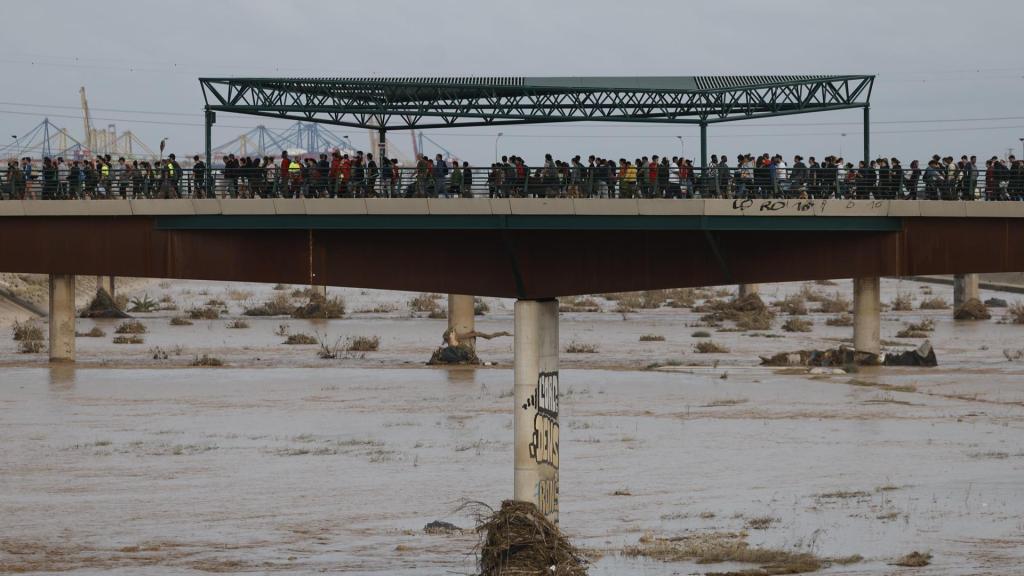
134,462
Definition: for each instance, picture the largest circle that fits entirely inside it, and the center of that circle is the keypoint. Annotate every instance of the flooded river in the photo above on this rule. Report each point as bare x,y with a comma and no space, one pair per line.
283,462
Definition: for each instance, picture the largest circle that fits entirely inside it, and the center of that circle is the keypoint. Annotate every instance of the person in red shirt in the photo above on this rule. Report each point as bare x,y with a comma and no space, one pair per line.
283,180
334,172
652,177
346,174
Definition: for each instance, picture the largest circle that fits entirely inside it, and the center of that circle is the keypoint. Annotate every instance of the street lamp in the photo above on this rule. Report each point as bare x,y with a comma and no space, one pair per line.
682,149
1022,145
841,140
496,138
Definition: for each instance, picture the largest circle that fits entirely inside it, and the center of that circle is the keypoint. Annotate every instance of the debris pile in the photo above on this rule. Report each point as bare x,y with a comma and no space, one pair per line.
973,309
518,539
103,306
845,356
748,312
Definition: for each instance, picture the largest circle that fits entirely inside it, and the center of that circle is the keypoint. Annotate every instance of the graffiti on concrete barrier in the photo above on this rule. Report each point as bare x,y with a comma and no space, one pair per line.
800,205
544,442
547,497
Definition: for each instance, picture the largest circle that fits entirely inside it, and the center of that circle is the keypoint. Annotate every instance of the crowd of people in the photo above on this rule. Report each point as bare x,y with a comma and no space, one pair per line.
359,175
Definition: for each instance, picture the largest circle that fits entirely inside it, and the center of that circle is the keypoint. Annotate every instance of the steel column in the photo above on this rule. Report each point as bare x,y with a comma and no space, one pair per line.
867,134
703,146
209,118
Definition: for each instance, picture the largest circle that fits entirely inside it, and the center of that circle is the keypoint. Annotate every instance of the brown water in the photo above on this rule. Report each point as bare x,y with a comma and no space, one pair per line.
336,465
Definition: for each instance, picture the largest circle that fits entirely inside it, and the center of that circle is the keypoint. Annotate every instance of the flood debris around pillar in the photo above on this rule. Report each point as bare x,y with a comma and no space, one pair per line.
518,539
456,348
103,305
972,309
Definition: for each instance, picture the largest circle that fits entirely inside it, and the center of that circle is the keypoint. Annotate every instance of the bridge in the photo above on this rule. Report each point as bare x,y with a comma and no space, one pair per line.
531,249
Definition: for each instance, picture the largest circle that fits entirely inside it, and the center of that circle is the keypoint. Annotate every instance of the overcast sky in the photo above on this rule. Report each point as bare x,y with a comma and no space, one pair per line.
950,73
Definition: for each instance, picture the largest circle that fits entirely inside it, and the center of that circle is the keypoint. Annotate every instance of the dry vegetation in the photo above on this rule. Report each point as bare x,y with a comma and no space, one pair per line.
517,539
937,303
748,313
424,302
719,547
1015,313
701,334
480,307
793,305
709,347
914,560
31,346
279,304
300,339
237,324
840,320
797,325
96,332
320,307
904,302
363,344
130,327
833,304
207,361
580,348
129,339
652,338
204,313
181,321
26,331
579,304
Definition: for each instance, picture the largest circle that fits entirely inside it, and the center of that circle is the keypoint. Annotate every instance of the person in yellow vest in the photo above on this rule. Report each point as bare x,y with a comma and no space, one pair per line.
294,179
105,177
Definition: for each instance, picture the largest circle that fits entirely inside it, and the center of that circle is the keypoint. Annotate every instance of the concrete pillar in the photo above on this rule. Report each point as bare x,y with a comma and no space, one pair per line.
106,283
460,316
536,405
867,321
965,287
748,289
62,318
320,291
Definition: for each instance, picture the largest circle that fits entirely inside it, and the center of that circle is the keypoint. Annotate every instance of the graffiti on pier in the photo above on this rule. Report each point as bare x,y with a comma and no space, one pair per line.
544,401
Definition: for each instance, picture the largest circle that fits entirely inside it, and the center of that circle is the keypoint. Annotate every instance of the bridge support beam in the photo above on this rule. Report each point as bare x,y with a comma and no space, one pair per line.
460,316
536,405
965,288
748,289
62,318
867,320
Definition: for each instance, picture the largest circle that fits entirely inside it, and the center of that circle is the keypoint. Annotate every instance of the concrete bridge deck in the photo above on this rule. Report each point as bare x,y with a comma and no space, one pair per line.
514,206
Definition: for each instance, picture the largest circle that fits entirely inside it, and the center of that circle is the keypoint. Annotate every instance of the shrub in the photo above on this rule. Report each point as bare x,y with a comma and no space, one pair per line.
130,327
579,304
1015,312
300,339
180,321
278,305
30,346
794,305
26,331
438,314
709,347
239,295
282,329
144,304
681,297
281,286
926,325
363,344
480,307
424,303
652,338
129,339
238,324
320,307
797,325
216,303
840,320
579,348
937,303
204,313
207,361
701,334
904,302
96,332
834,304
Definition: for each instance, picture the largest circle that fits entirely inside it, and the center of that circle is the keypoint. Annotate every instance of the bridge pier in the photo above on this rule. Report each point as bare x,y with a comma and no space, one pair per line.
105,283
745,290
62,318
867,309
965,288
461,316
536,405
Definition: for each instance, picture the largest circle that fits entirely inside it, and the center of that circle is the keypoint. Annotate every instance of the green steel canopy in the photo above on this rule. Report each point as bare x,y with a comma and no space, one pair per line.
423,103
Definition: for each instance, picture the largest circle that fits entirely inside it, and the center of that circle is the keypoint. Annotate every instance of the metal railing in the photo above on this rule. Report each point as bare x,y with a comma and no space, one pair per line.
504,182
